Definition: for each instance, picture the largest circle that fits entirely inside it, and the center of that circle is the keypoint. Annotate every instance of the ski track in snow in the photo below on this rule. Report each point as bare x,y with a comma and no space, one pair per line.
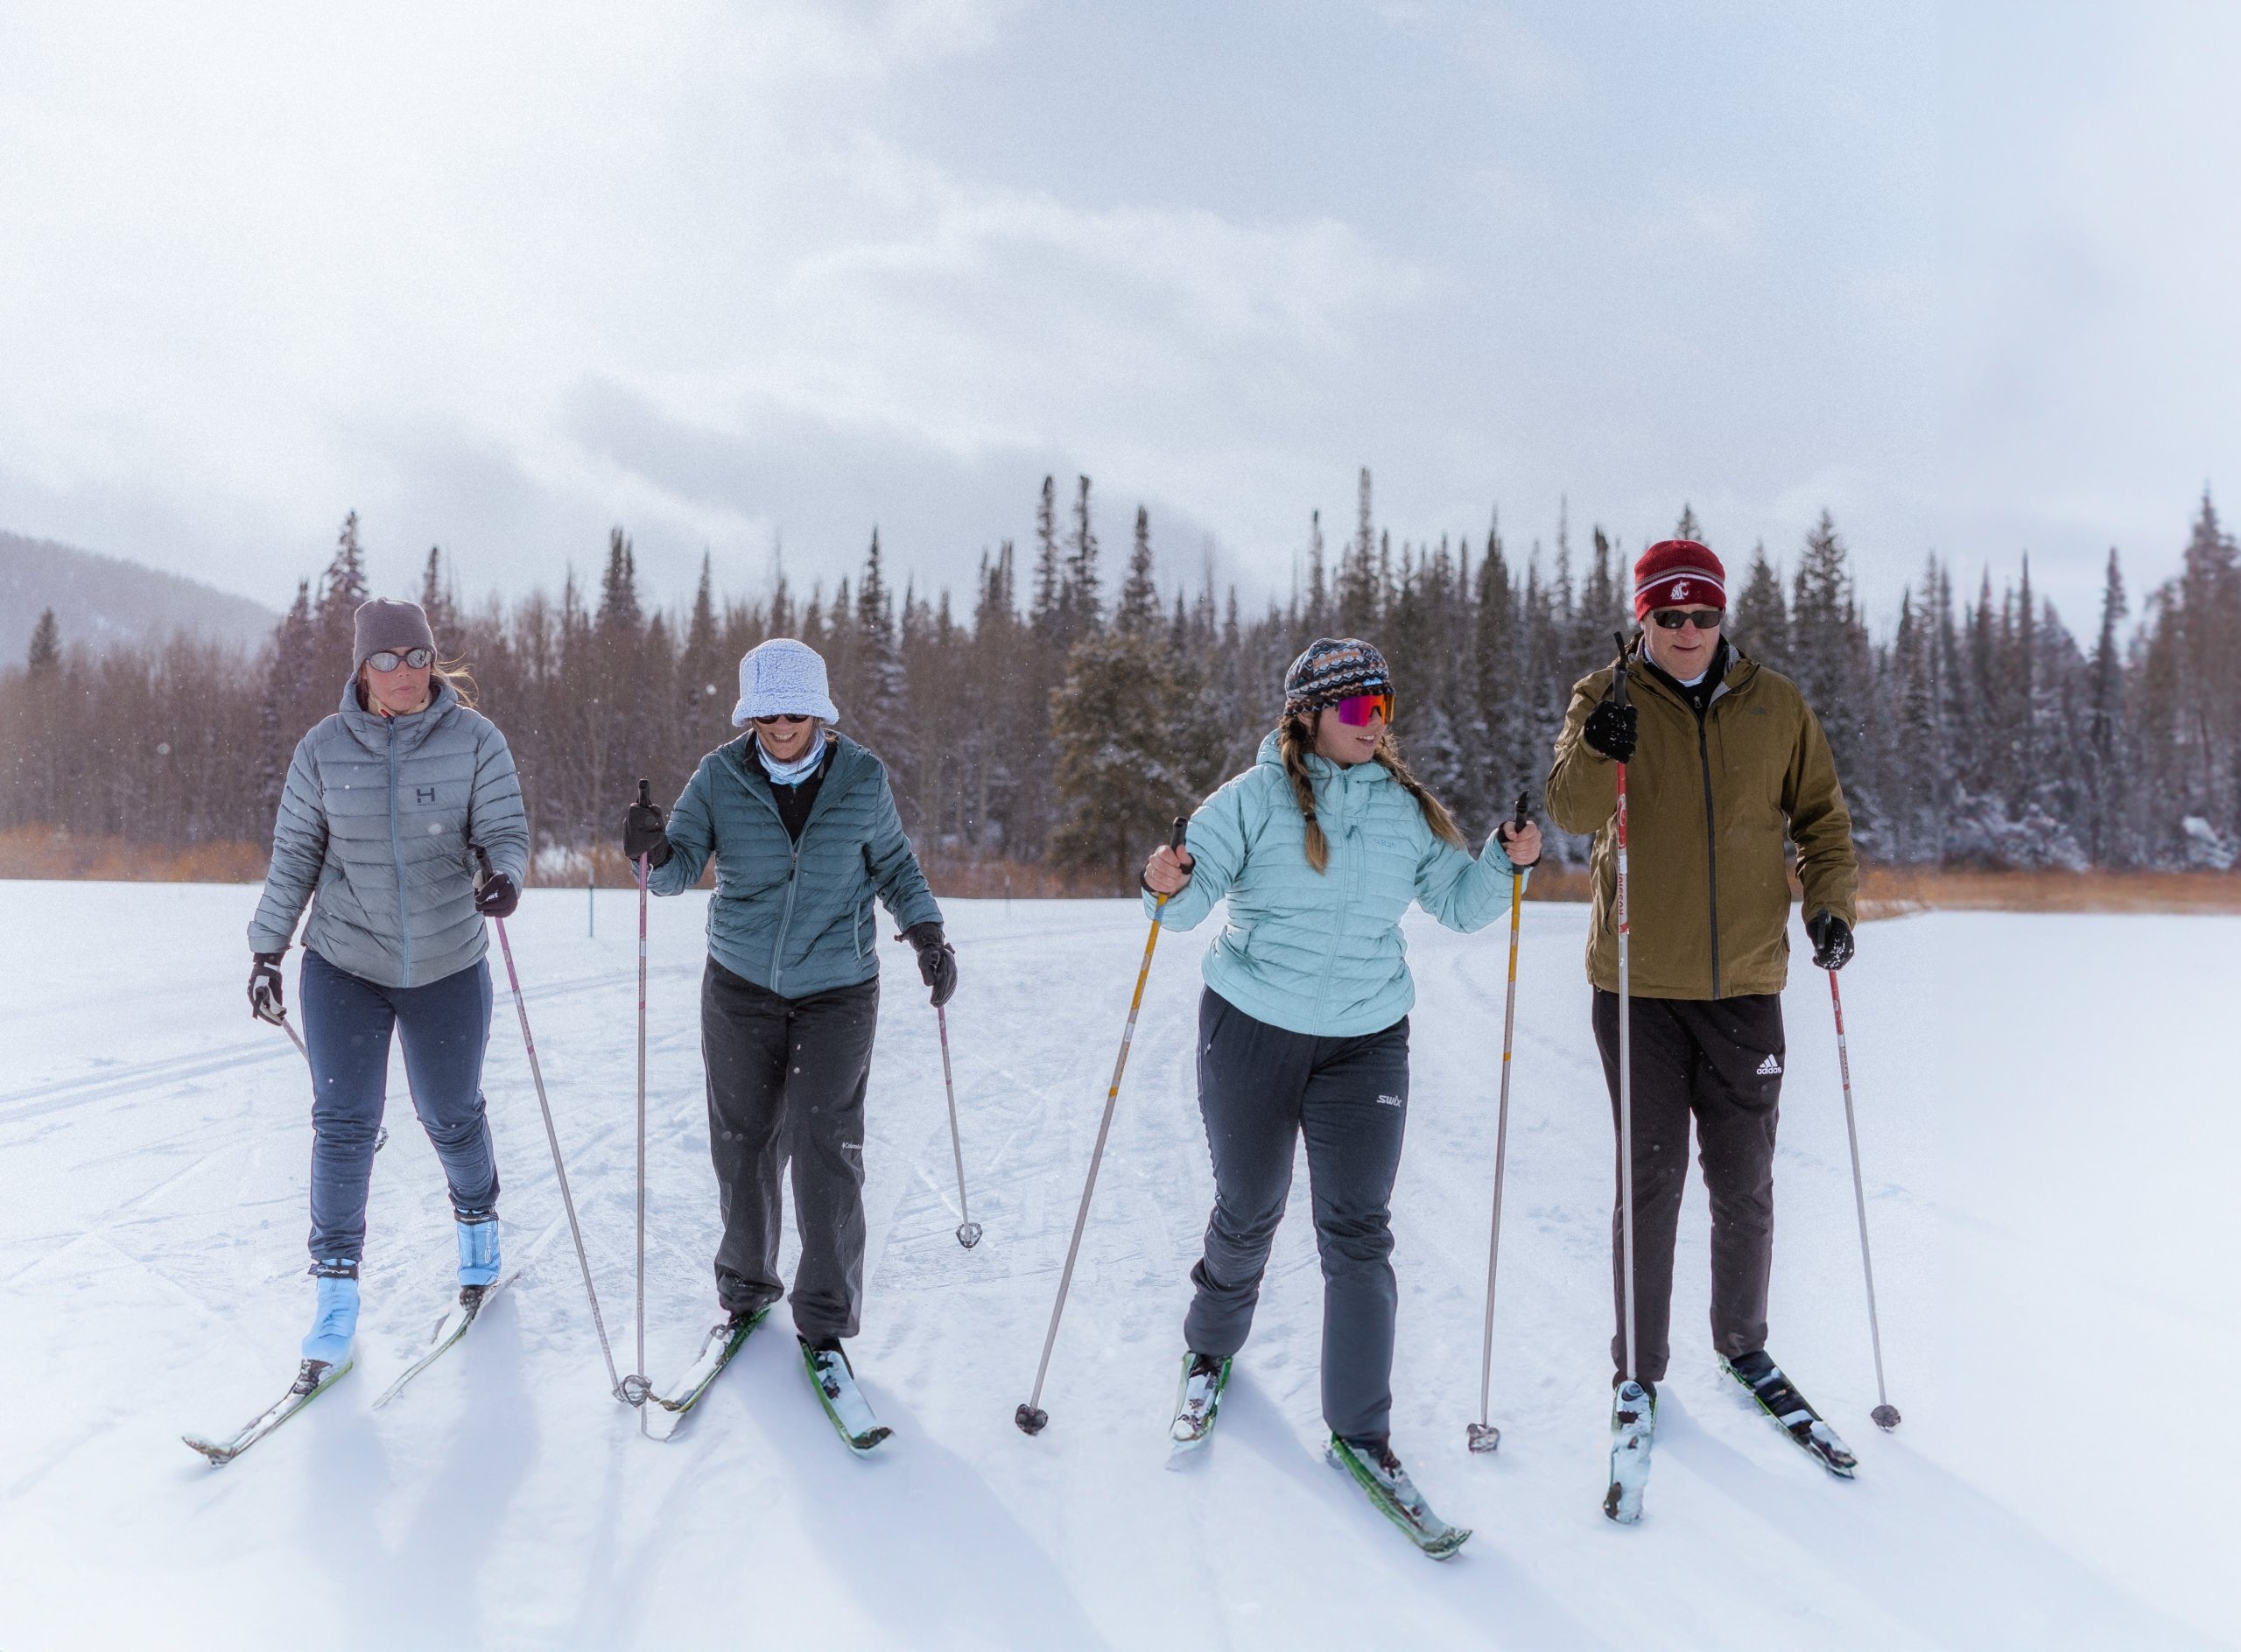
2047,1133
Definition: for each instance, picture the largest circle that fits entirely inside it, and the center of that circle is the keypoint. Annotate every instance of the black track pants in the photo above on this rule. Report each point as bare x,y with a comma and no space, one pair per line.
786,1081
1261,1089
1719,1060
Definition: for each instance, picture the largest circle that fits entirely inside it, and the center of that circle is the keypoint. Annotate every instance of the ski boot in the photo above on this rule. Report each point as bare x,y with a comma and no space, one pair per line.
334,1326
1371,1464
844,1403
478,1251
1204,1376
1780,1400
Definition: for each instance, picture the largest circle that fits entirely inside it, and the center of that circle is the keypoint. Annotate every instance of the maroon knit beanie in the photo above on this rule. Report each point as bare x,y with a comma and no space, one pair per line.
1678,574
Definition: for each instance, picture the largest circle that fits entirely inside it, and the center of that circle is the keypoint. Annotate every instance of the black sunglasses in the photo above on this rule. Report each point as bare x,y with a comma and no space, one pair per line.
1674,619
789,718
389,659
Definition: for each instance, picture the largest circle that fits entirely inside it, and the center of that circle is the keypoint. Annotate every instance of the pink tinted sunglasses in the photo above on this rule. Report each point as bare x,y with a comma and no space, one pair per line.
1356,710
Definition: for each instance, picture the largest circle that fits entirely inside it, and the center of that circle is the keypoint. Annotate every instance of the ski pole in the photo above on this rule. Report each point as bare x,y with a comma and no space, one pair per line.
968,1230
631,1390
1483,1436
1626,1044
645,800
1030,1418
1886,1414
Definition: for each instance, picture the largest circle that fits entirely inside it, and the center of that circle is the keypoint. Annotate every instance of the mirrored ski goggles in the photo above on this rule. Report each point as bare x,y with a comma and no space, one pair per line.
1356,710
389,659
1674,619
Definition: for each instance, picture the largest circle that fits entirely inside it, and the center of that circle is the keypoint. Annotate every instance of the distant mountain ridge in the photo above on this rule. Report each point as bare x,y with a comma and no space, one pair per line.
101,601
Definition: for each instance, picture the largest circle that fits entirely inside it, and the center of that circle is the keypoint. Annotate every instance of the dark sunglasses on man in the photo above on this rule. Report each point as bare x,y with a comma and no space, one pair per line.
1674,619
389,659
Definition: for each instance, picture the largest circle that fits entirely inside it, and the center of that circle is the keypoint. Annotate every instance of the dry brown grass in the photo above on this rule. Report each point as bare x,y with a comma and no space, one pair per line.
1890,891
50,852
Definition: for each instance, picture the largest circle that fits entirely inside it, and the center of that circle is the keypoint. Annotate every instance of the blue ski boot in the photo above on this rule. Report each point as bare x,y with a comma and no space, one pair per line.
478,1249
335,1325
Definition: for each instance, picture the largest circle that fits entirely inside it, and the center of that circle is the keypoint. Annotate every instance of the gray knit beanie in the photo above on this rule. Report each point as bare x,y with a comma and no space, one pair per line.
386,623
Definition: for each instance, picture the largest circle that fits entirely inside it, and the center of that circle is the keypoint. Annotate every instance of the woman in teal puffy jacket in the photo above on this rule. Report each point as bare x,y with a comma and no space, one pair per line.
1320,848
802,826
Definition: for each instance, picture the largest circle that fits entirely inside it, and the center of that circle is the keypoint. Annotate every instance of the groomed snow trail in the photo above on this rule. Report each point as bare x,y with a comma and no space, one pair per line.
2048,1123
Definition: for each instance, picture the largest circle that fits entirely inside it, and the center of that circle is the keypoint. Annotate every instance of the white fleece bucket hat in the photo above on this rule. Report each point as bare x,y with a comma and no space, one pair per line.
783,677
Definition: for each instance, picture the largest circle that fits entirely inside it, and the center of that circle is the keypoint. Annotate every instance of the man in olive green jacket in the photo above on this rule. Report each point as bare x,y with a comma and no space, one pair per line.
1725,761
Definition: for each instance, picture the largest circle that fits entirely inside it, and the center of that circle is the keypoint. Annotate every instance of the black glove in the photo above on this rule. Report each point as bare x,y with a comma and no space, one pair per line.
265,999
1832,940
1610,730
643,834
937,961
496,896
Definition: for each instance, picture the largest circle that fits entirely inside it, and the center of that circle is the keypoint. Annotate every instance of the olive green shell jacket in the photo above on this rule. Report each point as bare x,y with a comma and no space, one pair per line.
1708,804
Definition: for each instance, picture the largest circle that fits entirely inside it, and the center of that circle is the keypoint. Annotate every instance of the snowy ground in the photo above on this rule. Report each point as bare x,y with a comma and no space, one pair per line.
2049,1123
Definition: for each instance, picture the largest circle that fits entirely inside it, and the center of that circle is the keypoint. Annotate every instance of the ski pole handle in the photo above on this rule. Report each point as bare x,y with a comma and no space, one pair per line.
645,794
1520,822
1618,681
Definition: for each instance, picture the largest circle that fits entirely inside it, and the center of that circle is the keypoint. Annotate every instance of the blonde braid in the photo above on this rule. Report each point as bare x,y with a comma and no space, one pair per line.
1294,740
1435,814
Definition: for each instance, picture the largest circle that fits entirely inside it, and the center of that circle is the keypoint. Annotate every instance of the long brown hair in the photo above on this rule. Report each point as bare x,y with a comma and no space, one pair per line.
1295,739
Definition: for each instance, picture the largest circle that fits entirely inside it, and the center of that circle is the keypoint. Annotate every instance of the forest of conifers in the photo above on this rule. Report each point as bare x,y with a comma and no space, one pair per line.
1077,706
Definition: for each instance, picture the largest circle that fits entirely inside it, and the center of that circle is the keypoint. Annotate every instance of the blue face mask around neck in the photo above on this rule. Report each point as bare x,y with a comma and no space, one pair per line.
792,774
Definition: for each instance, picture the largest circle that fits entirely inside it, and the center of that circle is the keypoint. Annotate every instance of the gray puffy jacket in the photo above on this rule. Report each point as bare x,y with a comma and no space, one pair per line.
376,831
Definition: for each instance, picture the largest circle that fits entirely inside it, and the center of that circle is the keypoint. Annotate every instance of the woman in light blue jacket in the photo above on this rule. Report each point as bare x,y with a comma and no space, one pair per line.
387,801
1320,847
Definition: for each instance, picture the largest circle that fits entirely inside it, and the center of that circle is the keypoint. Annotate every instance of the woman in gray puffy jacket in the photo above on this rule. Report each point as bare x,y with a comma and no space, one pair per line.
802,825
387,802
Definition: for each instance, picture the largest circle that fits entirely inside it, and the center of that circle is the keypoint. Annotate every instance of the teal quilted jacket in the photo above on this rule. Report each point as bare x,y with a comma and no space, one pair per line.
1321,952
793,916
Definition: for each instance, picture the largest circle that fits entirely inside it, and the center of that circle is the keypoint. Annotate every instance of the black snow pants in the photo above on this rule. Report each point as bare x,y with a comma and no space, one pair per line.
1719,1060
1261,1089
786,1081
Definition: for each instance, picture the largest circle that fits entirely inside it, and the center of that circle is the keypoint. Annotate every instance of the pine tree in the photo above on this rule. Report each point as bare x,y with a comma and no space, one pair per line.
1139,608
343,591
1139,743
1688,527
1359,588
46,657
1317,617
2111,792
619,612
440,604
1757,621
879,686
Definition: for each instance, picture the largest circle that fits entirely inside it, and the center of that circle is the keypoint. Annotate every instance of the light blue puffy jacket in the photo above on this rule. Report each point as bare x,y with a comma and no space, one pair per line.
1321,952
376,830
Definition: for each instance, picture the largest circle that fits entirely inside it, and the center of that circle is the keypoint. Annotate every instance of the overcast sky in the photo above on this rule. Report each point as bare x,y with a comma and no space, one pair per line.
500,275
